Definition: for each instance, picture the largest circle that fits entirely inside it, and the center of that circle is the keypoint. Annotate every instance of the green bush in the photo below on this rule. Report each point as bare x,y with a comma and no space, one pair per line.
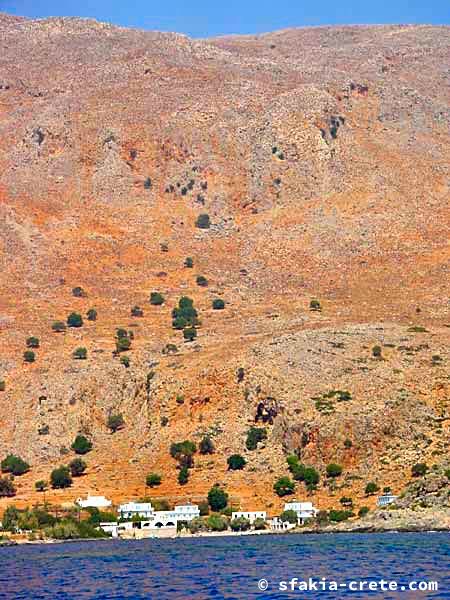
284,486
137,311
296,468
362,512
29,356
218,304
123,344
125,361
153,479
240,524
7,489
217,523
75,320
206,445
81,445
78,292
179,323
203,508
41,485
337,516
183,452
314,305
259,524
334,470
255,435
156,299
60,477
289,516
189,334
346,501
202,281
2,385
203,221
376,351
147,183
80,353
183,476
14,465
217,498
189,263
32,342
348,444
419,470
236,462
371,488
115,422
311,477
77,467
58,326
91,314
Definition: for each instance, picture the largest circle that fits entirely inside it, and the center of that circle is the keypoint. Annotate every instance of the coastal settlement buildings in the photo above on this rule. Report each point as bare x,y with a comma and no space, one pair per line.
250,515
93,502
304,510
386,499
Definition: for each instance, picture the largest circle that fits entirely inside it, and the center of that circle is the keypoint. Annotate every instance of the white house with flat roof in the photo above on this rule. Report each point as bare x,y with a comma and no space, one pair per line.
136,509
249,515
386,499
304,510
160,518
93,502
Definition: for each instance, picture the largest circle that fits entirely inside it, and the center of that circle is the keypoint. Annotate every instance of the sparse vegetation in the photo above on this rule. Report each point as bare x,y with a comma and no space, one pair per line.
218,304
77,467
115,422
289,516
183,475
217,498
189,263
75,320
125,361
91,314
376,351
81,445
203,221
7,489
123,344
137,311
189,334
254,436
236,462
334,470
315,305
371,488
337,516
61,477
153,480
184,452
78,292
58,326
29,356
363,511
15,465
202,281
284,486
156,299
419,470
206,445
32,342
41,485
80,353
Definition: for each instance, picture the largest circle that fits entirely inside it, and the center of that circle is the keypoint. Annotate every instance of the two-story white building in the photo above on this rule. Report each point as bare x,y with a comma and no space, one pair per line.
161,518
136,509
386,499
249,515
304,510
93,502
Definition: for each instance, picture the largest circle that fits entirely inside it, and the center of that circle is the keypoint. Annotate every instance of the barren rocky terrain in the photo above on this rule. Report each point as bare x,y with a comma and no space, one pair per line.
322,157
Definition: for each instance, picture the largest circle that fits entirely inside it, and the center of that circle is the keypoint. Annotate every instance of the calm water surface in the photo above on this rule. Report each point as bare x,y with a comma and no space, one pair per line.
226,567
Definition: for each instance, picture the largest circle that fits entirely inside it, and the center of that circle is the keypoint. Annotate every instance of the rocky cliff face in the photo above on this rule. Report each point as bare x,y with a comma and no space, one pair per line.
322,159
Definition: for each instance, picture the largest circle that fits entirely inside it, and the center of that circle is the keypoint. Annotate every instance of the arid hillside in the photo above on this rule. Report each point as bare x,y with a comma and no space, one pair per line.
322,159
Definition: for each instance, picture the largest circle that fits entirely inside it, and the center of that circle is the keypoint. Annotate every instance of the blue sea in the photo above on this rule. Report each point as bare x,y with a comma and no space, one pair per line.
229,567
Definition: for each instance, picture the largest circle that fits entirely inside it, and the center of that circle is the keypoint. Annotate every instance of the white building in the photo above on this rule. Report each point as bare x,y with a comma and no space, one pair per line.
133,509
249,515
386,499
160,518
304,510
276,524
94,502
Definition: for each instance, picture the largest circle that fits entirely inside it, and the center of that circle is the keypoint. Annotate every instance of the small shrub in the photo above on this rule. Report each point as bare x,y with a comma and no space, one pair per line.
14,465
80,353
147,183
217,498
77,467
115,422
58,326
284,486
170,349
206,445
189,334
362,512
189,263
78,292
417,329
7,488
387,490
156,299
2,385
236,462
217,523
337,516
240,524
346,501
125,361
32,342
91,314
29,356
164,421
376,351
218,304
81,445
203,221
179,323
153,479
180,400
348,444
419,470
334,470
137,311
259,524
41,485
240,375
289,516
61,478
123,344
315,306
255,435
75,320
183,476
311,477
371,488
202,281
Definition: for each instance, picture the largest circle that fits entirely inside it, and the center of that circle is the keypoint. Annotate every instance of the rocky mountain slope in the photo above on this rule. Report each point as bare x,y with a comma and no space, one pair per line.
322,157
